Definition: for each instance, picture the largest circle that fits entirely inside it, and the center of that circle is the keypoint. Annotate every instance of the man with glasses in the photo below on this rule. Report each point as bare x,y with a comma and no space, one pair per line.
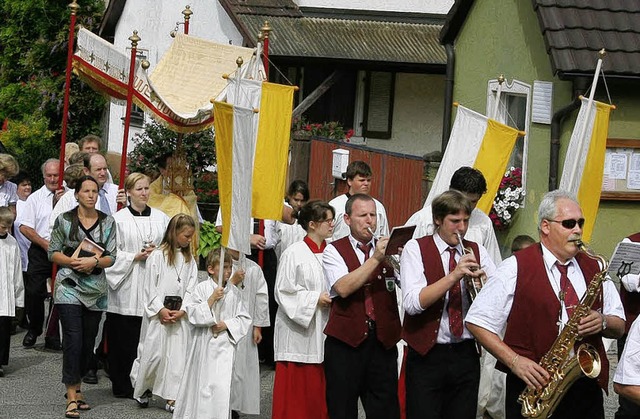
536,290
364,324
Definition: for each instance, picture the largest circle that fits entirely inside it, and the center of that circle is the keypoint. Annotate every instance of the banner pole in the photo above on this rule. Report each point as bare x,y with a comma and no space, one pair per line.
187,15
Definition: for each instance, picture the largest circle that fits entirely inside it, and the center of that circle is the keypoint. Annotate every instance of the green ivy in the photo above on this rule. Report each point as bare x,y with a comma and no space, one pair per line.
209,239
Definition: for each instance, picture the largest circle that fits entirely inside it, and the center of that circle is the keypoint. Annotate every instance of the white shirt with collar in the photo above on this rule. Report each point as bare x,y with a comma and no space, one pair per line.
412,279
492,306
37,211
8,194
628,370
334,265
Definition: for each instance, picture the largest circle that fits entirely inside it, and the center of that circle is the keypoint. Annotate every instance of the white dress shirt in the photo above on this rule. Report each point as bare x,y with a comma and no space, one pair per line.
480,230
334,265
628,370
412,279
341,229
492,306
37,211
8,194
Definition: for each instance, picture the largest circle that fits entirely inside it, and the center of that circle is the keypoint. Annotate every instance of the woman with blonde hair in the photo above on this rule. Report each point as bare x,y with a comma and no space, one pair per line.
8,190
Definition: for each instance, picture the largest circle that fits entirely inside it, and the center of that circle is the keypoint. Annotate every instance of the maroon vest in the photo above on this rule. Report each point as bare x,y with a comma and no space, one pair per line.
630,300
421,331
348,319
532,325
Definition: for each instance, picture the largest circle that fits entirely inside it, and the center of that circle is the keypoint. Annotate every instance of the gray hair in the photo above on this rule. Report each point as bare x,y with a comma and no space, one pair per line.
547,209
52,160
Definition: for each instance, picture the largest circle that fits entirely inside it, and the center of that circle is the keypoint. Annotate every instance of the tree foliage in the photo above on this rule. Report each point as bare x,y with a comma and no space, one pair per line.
33,51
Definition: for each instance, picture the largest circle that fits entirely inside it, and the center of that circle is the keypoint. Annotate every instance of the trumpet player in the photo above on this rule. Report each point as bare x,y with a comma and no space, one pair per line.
536,290
443,368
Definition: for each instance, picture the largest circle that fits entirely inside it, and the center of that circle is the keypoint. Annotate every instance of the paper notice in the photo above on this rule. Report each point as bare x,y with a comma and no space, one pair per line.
633,181
618,166
608,184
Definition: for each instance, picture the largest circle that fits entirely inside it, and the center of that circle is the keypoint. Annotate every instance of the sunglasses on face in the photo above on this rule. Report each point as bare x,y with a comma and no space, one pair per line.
569,223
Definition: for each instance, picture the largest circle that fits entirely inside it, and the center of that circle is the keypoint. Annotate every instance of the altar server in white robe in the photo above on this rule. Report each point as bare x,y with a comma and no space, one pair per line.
279,234
245,385
220,320
139,231
171,275
302,315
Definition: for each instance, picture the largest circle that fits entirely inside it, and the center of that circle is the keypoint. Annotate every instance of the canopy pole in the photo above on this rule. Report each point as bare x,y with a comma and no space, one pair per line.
74,7
127,119
187,15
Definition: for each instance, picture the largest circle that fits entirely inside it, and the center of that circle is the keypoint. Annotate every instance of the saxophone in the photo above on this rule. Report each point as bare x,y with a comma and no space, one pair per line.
562,370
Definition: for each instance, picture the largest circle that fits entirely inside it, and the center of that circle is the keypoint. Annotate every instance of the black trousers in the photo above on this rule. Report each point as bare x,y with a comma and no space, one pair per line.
583,400
368,372
124,335
265,348
626,408
5,339
79,330
444,382
35,288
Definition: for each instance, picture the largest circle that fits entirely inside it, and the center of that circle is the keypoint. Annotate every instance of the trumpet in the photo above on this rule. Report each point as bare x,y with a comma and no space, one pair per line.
474,285
393,260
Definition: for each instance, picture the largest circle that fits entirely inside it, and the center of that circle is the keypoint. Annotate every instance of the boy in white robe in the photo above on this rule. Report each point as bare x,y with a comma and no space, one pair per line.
245,385
11,285
220,320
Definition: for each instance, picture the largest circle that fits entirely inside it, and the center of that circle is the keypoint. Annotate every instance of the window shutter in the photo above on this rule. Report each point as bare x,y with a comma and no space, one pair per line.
379,104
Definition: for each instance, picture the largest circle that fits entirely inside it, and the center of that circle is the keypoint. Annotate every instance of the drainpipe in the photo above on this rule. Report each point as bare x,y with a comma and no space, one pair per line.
556,131
448,95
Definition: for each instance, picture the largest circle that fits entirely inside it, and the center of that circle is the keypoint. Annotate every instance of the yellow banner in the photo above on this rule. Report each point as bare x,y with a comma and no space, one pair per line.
223,122
591,183
492,159
272,150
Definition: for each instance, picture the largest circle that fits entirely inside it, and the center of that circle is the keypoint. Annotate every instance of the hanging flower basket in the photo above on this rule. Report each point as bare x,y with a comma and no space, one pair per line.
508,199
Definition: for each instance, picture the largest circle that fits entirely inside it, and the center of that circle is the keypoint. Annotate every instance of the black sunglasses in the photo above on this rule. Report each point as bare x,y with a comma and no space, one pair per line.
570,223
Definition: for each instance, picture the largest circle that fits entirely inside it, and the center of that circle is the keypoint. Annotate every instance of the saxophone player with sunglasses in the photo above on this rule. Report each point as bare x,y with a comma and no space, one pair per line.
537,290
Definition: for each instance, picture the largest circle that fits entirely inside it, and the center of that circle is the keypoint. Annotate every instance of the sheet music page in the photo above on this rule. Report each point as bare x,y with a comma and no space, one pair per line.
625,260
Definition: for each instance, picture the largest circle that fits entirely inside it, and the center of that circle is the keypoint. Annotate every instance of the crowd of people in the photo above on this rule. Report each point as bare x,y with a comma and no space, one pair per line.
342,323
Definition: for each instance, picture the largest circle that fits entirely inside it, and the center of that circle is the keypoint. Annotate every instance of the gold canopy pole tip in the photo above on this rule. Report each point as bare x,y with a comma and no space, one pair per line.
602,53
501,79
134,39
265,29
225,76
456,104
187,12
74,6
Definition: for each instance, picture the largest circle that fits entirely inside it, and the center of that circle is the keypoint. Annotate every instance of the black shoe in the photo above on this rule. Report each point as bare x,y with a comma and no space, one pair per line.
52,343
29,340
91,377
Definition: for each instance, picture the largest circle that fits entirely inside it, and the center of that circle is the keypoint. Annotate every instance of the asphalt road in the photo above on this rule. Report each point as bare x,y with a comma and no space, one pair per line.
32,389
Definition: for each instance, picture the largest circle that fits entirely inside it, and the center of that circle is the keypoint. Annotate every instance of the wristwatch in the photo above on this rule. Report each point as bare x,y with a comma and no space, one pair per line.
604,322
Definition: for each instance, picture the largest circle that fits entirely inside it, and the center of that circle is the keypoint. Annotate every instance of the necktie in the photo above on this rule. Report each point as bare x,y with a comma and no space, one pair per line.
368,297
455,300
567,292
104,205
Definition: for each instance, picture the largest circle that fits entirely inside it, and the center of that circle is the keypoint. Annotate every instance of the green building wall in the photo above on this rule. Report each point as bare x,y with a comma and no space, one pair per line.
504,37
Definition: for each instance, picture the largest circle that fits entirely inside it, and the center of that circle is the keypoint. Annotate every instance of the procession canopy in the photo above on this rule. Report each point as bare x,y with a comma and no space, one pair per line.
177,94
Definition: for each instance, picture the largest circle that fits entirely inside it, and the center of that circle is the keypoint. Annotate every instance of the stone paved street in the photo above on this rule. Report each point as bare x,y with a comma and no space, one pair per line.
31,389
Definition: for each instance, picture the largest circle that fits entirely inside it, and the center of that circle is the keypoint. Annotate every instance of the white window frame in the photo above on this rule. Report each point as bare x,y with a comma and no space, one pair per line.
515,88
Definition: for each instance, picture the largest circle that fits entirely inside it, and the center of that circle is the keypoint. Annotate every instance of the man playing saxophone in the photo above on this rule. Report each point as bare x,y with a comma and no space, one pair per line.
537,290
443,368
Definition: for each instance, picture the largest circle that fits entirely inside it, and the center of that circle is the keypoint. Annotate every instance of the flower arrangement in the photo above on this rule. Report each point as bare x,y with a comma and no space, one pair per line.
508,199
301,127
157,140
205,185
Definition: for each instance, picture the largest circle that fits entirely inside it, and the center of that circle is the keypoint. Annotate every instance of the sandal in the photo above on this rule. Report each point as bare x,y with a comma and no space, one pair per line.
170,406
72,413
82,405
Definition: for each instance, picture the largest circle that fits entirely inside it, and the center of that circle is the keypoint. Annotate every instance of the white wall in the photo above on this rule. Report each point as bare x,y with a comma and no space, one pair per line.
154,20
415,6
417,115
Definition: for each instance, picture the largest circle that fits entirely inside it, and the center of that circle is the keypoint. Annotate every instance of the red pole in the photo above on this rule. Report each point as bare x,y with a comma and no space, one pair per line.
67,87
265,61
127,120
187,15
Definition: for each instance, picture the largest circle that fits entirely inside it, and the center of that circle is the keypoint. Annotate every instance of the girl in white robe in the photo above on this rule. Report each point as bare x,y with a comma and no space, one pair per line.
139,230
245,385
171,275
220,320
303,310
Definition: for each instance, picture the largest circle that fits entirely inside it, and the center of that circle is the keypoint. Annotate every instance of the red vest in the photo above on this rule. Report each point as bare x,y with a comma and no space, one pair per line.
630,300
421,331
348,319
532,325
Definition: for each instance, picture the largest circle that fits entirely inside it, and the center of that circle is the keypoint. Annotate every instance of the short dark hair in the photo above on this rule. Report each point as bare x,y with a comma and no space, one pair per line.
90,138
299,186
78,157
468,180
314,211
163,160
521,241
358,167
450,202
21,177
353,198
